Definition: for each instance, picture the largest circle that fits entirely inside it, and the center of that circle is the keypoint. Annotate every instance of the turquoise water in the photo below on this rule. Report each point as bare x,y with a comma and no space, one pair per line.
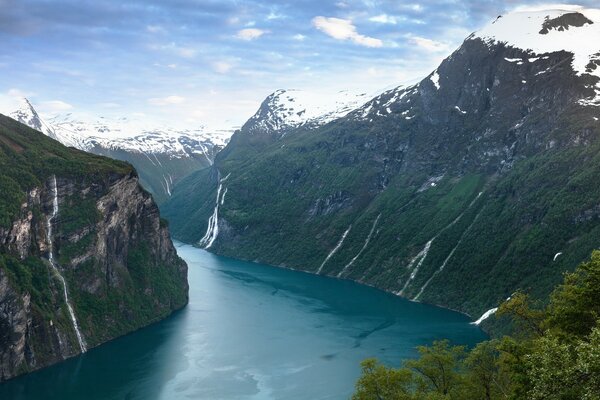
251,332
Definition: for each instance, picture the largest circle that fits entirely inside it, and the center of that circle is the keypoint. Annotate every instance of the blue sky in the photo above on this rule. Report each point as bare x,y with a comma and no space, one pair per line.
191,62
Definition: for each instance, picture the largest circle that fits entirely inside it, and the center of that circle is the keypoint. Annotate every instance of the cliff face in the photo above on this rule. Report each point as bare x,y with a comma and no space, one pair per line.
85,259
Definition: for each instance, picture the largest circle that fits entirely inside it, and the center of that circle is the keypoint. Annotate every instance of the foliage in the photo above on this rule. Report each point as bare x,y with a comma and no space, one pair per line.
28,158
379,382
553,355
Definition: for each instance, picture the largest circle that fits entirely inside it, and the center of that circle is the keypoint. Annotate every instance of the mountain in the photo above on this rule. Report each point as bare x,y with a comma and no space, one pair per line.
456,191
161,156
84,254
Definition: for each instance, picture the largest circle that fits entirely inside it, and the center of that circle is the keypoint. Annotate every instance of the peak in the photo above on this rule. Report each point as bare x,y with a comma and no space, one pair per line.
566,28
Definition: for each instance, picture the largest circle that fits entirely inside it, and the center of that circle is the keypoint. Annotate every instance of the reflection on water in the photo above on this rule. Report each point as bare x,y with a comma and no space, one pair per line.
251,332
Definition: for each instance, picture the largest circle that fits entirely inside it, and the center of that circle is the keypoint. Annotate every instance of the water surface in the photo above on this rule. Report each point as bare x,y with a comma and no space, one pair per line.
251,331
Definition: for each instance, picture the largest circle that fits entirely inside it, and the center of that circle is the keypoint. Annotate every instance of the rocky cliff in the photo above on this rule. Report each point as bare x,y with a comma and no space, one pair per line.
84,254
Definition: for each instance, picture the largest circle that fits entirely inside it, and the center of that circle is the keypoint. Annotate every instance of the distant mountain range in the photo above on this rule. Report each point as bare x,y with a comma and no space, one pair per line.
477,181
161,156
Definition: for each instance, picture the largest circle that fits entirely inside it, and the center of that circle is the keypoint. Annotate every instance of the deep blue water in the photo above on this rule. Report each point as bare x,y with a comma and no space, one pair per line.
251,332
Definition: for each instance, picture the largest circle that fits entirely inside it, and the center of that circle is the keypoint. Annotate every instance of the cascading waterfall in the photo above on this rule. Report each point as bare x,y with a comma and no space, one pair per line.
485,316
420,257
335,249
367,240
441,268
55,269
423,253
223,198
212,230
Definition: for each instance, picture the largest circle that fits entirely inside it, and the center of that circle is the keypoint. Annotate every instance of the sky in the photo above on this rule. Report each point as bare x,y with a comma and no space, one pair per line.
194,63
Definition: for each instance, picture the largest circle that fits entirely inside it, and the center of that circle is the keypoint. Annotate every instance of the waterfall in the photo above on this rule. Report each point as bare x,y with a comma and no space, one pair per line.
335,249
423,253
54,266
167,185
212,230
485,316
441,268
223,198
421,256
367,240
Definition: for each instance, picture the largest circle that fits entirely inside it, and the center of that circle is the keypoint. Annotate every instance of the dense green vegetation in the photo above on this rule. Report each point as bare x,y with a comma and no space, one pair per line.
28,158
553,353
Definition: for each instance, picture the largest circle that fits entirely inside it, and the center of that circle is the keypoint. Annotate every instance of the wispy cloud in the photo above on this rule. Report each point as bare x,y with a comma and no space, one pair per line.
222,67
343,29
53,106
384,19
250,33
165,101
429,44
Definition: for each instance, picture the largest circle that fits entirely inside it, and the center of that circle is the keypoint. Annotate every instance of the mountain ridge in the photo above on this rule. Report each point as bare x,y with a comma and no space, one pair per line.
453,164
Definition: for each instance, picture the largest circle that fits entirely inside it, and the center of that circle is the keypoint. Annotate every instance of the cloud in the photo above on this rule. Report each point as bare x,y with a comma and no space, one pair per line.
273,15
547,6
250,34
155,29
55,106
222,67
299,37
384,19
343,29
430,45
165,101
13,92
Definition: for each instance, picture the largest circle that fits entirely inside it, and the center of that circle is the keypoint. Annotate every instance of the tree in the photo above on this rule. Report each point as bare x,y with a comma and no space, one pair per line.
438,367
575,305
486,379
378,382
527,319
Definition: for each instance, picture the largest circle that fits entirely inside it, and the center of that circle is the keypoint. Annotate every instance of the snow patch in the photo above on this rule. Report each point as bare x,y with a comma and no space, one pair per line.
435,78
457,108
523,30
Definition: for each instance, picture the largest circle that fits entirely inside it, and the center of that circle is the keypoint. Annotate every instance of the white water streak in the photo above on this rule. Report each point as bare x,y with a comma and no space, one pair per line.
367,240
55,269
423,253
557,255
441,268
485,316
419,257
212,230
223,198
167,183
335,249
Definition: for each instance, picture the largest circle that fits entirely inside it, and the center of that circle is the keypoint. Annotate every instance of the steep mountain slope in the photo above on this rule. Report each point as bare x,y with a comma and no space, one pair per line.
161,156
456,191
84,255
285,111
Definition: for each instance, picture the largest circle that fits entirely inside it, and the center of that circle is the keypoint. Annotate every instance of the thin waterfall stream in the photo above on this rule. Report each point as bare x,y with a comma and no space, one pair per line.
55,266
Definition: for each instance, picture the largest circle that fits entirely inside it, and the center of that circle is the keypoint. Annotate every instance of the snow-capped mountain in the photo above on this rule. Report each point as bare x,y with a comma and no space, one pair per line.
162,156
285,110
539,40
27,115
456,191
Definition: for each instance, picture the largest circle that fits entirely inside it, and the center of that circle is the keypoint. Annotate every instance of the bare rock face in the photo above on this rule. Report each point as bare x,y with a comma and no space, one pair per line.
121,270
14,326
